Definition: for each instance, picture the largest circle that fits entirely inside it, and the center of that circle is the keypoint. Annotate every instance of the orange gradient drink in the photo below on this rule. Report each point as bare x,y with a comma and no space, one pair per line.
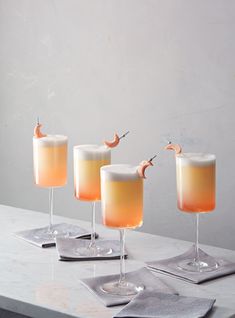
122,208
122,196
195,182
88,159
50,160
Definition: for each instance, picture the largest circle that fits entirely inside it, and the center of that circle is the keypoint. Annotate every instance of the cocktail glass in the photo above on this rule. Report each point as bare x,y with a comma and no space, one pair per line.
122,208
50,170
88,159
196,174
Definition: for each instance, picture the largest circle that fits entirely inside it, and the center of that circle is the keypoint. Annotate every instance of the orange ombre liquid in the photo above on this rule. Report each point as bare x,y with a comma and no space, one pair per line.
195,182
88,159
50,160
122,196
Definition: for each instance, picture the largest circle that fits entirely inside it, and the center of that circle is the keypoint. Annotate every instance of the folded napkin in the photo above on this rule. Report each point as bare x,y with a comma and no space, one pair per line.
152,304
141,277
170,267
69,248
41,238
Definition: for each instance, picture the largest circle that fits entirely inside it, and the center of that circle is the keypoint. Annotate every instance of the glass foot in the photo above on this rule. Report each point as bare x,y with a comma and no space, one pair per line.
198,266
122,288
93,251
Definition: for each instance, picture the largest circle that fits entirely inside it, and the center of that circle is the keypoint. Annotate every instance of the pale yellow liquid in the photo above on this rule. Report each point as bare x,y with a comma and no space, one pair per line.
87,178
122,203
50,164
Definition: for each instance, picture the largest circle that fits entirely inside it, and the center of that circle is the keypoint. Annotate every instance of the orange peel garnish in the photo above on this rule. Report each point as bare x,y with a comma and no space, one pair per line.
142,167
114,142
176,147
37,131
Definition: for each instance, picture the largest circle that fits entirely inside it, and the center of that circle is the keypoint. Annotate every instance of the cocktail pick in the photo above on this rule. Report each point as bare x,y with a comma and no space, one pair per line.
144,165
151,159
116,139
124,135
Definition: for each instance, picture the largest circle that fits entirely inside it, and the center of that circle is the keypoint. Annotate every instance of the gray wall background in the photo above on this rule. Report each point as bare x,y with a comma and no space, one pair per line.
159,68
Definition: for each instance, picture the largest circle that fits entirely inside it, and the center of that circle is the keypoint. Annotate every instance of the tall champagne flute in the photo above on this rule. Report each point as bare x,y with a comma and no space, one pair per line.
196,178
50,168
122,208
88,159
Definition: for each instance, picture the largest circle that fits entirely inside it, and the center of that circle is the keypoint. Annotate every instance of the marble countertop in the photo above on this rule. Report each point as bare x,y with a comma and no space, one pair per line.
34,283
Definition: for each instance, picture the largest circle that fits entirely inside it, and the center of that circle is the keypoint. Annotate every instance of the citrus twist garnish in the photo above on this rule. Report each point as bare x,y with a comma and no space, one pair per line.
116,139
37,130
176,147
144,165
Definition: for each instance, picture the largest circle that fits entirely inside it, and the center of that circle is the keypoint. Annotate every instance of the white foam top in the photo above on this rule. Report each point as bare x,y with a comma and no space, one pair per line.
195,159
121,172
92,152
51,140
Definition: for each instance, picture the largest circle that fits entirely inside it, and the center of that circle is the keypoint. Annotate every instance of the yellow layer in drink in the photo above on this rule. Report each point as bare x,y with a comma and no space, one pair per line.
196,182
50,161
122,196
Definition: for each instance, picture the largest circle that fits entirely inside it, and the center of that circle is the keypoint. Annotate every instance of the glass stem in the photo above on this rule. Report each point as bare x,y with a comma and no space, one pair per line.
122,256
92,244
51,205
197,240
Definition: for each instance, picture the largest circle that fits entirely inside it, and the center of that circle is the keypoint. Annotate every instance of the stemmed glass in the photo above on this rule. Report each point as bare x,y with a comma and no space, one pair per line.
50,169
196,174
122,208
88,159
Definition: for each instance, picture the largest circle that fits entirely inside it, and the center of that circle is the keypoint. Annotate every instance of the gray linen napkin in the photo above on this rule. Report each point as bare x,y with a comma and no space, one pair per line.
68,249
170,267
142,276
152,304
39,236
